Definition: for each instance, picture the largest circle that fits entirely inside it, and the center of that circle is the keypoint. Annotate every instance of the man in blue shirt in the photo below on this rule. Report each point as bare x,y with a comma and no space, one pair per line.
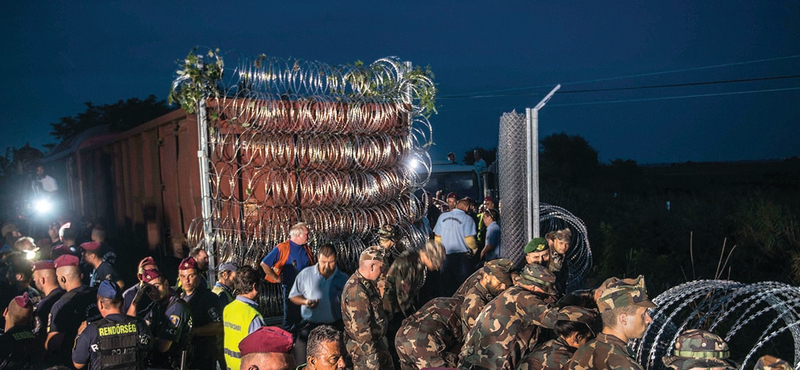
318,291
491,250
456,231
283,263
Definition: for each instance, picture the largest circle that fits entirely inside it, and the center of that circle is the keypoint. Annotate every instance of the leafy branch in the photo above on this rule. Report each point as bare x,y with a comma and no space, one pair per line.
196,79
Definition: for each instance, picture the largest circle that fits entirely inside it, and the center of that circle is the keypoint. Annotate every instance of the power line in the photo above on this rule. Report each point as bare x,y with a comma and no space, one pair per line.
677,97
482,93
633,100
682,84
700,83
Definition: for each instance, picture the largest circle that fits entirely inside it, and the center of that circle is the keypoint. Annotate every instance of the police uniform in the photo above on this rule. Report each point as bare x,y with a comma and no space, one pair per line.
206,309
116,341
364,320
224,293
171,322
103,272
431,337
238,318
510,323
18,347
72,309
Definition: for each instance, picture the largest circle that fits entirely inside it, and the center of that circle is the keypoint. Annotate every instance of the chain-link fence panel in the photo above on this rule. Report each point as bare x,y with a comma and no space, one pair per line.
512,162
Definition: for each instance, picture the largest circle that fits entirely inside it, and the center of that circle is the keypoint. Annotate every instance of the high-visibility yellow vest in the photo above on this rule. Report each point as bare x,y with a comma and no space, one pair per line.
236,318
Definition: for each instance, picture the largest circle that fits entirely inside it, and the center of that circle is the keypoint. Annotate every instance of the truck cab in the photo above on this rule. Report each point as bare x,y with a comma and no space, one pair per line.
458,178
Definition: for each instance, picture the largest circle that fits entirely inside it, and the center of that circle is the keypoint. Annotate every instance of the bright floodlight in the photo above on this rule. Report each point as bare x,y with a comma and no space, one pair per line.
414,163
43,206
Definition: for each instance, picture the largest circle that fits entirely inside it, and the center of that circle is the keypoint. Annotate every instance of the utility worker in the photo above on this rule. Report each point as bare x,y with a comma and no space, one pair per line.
206,316
241,317
116,341
283,263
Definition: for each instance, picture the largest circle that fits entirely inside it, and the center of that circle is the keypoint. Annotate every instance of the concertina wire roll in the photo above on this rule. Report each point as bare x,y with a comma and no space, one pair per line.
296,141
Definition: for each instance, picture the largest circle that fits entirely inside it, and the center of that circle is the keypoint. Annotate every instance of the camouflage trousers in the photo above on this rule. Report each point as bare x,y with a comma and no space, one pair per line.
379,359
418,351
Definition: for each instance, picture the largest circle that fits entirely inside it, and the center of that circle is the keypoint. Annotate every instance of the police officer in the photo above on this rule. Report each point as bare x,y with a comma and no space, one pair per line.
18,349
170,322
144,302
206,316
101,269
362,311
432,336
77,305
223,288
44,277
116,341
511,322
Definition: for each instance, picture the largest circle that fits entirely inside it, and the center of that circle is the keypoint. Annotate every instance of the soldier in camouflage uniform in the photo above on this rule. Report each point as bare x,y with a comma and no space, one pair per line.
405,277
496,279
623,305
768,362
511,322
575,327
473,279
363,316
696,348
431,337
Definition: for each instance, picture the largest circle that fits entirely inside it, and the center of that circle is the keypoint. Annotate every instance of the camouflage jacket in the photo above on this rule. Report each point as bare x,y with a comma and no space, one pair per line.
552,355
556,261
604,352
364,322
431,337
474,301
403,283
468,284
505,328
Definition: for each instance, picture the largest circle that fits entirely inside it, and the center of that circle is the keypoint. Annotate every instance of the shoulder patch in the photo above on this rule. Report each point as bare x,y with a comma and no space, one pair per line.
174,320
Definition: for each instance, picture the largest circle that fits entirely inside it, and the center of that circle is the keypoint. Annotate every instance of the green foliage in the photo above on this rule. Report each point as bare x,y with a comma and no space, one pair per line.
120,116
365,79
197,79
567,159
771,233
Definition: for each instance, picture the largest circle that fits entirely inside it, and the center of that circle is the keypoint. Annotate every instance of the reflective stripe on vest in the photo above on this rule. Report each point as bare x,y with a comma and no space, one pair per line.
236,318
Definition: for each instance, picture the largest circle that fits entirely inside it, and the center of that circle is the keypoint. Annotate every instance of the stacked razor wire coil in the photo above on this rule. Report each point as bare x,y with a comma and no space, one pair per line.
755,319
296,141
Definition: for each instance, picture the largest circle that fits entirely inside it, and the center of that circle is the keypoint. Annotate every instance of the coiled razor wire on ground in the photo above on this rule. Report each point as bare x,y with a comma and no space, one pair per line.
513,159
755,319
293,140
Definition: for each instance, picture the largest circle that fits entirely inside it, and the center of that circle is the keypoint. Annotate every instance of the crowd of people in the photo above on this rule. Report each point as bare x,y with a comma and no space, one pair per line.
65,306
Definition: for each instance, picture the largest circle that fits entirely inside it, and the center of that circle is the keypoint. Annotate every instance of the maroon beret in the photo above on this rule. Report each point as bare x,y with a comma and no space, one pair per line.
267,339
147,261
23,301
66,260
43,265
188,263
150,275
90,246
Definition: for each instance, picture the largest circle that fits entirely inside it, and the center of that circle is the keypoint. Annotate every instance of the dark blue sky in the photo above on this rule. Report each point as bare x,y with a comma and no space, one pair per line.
58,55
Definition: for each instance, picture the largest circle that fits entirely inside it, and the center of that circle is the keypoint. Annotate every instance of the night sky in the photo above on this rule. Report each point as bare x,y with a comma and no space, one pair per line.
488,58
